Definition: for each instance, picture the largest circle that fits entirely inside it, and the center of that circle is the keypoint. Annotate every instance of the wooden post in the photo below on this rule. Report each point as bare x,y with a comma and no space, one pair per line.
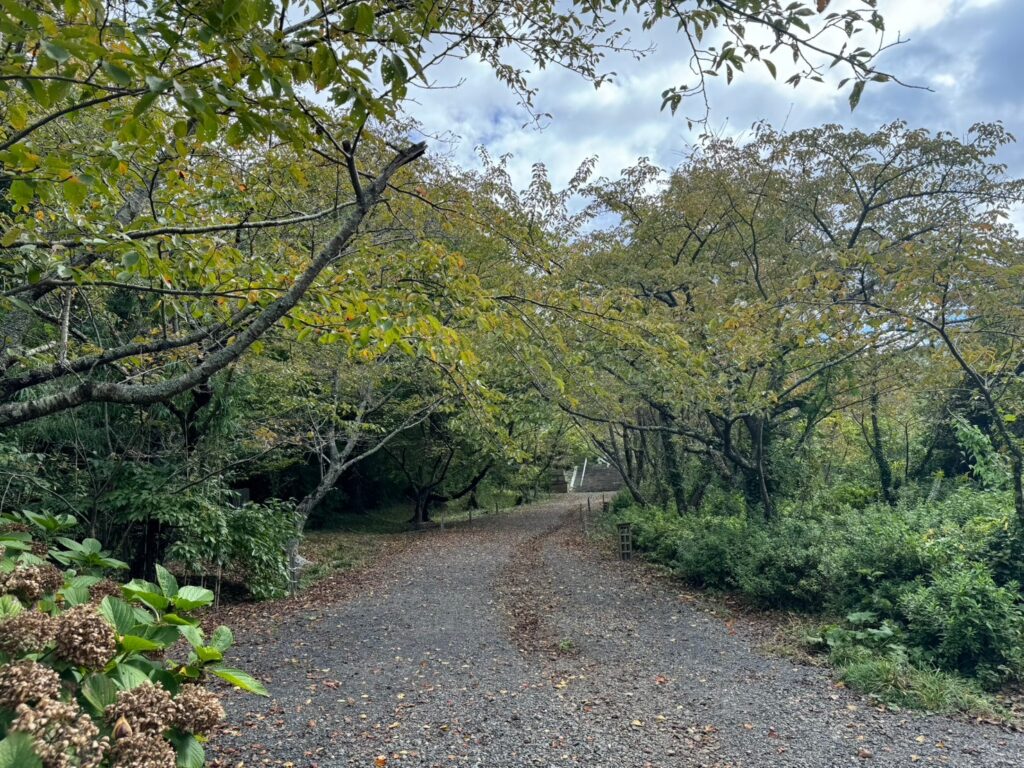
625,541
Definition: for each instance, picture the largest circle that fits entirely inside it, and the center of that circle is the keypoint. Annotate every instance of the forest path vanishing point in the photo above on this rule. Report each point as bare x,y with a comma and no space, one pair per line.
506,643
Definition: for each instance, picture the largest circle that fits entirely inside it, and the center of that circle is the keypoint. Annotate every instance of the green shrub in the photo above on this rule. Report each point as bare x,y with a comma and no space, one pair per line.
780,565
655,531
723,502
621,501
867,557
247,541
706,552
259,535
967,623
937,577
848,495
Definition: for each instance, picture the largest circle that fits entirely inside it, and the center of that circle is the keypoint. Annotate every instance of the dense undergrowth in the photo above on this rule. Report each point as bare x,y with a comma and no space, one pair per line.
917,604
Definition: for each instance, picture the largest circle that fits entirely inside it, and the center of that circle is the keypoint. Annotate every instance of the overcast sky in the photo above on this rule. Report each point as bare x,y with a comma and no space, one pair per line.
970,52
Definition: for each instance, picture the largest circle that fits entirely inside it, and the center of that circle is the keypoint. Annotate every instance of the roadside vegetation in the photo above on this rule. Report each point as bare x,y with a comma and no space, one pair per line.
917,604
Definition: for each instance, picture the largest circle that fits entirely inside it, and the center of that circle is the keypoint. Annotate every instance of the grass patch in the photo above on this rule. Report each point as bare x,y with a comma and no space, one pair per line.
351,541
896,682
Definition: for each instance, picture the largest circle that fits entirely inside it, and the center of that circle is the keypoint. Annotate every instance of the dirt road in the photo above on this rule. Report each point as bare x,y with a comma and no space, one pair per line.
508,643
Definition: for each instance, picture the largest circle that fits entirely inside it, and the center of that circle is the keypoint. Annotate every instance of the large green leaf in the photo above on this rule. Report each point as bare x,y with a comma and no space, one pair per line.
147,593
168,584
56,51
208,653
190,751
131,677
222,638
173,618
21,192
240,679
75,595
134,643
99,691
9,606
16,752
120,615
189,598
193,634
84,581
162,634
118,74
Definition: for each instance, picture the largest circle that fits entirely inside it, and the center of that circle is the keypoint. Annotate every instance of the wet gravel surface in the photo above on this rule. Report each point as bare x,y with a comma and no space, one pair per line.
509,644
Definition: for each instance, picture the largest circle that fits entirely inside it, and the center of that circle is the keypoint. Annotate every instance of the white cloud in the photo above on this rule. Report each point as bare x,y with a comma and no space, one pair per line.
622,120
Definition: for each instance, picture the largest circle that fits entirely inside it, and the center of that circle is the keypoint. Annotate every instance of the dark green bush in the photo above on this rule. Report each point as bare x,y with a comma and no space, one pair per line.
706,551
848,494
622,501
259,536
941,574
967,623
867,556
780,565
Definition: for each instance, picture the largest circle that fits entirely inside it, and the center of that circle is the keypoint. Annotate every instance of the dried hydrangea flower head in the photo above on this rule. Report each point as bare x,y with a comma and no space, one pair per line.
27,682
40,549
104,588
63,735
31,582
143,750
197,710
146,709
27,632
84,637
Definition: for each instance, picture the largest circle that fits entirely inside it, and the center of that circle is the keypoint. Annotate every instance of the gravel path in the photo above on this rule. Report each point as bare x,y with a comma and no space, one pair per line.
508,644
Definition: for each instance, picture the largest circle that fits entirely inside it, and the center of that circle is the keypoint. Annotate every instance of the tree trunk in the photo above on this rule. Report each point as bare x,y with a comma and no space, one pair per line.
1017,466
674,473
421,504
759,476
878,453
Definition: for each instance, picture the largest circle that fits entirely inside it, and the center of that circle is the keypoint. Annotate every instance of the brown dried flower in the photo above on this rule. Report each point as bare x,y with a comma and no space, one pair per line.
27,682
64,736
31,582
142,750
105,588
85,638
147,709
27,632
40,549
197,710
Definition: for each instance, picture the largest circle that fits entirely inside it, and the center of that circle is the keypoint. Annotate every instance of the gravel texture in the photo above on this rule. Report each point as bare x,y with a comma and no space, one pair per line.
508,643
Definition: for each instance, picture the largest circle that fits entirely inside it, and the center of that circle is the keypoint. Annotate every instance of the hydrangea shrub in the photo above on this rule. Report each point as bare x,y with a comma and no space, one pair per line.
97,674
